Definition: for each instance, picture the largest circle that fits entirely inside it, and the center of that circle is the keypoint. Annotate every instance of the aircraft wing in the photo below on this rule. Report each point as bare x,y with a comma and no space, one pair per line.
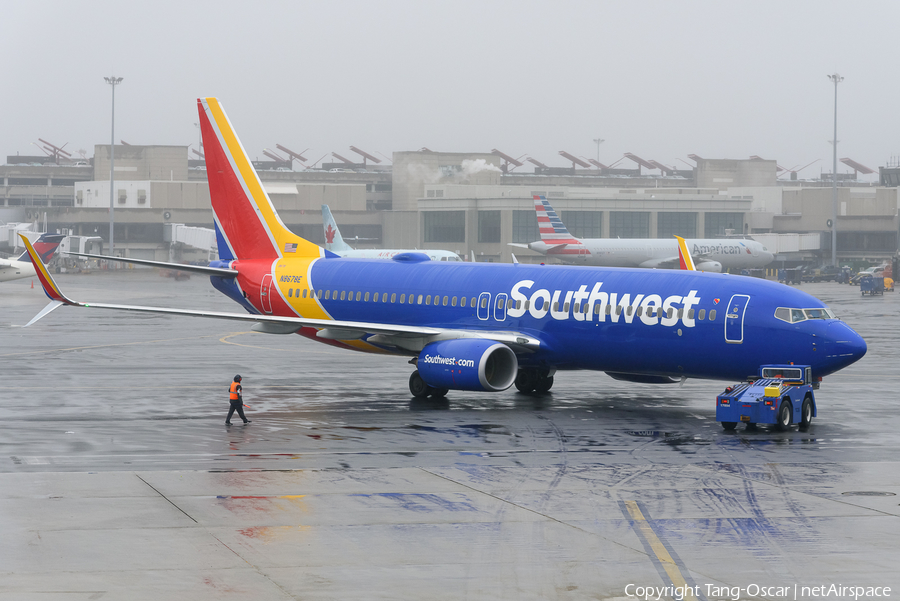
667,263
176,266
410,337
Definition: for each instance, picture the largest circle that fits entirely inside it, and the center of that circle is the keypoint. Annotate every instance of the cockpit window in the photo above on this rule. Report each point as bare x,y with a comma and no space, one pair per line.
819,313
797,315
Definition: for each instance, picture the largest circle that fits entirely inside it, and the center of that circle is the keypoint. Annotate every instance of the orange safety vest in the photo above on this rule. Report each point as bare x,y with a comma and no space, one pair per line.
233,390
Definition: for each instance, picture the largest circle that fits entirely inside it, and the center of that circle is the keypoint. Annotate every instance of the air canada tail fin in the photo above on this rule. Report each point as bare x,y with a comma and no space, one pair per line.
45,246
333,239
247,225
553,231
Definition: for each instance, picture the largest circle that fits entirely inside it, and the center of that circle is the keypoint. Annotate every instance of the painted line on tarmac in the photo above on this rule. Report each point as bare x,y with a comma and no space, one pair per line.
667,562
224,340
96,346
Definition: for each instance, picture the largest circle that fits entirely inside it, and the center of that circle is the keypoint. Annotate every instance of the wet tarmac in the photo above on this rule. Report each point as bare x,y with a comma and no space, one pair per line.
119,479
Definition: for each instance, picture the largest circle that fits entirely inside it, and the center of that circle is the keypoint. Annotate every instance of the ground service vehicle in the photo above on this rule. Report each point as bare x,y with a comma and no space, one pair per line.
871,285
781,395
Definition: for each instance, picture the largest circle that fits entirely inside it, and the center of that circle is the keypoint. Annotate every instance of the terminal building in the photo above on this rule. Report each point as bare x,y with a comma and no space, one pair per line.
465,202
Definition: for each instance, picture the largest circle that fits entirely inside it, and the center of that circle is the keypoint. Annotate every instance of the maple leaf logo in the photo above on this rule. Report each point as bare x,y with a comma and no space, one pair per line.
329,234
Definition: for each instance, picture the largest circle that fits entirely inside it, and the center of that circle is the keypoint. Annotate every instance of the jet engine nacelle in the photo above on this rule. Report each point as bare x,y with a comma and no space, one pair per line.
711,266
468,364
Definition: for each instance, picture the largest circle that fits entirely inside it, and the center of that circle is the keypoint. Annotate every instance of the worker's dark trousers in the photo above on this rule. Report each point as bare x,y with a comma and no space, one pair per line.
236,406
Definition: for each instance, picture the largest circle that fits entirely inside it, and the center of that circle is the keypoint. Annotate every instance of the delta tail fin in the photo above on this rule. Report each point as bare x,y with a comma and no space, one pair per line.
247,225
333,239
685,260
45,247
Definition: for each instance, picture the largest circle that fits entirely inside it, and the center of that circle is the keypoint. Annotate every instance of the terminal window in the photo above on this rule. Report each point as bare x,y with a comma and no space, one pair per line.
629,224
676,224
525,227
489,226
444,226
717,224
584,224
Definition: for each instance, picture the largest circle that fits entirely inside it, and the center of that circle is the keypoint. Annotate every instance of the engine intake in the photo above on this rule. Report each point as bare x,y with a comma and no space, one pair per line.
468,364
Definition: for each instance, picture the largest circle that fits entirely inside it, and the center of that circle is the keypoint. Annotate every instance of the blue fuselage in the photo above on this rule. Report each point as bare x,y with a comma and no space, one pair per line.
632,321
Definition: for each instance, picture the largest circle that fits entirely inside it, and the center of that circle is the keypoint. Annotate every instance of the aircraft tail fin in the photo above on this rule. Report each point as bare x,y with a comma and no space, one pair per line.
685,260
45,246
553,231
333,239
247,225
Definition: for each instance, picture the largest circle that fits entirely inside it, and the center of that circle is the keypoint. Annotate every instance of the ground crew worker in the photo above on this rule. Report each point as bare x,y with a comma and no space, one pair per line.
236,397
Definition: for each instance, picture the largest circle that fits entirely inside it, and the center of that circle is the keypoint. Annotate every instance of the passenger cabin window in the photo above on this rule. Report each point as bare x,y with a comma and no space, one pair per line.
453,302
420,299
701,315
375,298
483,302
327,294
343,293
290,292
394,297
712,314
428,300
402,298
445,301
366,297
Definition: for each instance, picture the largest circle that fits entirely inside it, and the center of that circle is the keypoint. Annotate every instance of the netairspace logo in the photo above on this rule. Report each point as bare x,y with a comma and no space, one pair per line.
437,359
734,593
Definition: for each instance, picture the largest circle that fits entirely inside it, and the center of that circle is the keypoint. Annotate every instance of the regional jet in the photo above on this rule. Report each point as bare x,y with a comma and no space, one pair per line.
487,326
334,242
22,267
709,255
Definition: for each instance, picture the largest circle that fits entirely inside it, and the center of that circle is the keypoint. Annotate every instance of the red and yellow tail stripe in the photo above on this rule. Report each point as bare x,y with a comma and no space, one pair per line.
50,287
243,211
685,260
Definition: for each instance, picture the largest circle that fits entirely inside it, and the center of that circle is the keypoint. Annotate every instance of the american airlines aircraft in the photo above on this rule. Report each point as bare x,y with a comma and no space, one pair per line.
487,326
334,242
22,267
709,255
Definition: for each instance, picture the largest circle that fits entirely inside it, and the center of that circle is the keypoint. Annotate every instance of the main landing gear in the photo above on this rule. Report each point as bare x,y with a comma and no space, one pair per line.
420,389
532,379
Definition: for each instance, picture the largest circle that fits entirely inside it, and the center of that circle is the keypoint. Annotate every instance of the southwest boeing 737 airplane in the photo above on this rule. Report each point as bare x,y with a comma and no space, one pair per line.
709,255
335,243
486,326
22,267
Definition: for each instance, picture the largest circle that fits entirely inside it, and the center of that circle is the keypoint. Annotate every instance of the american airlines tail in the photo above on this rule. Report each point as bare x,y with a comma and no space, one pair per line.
333,239
247,226
553,231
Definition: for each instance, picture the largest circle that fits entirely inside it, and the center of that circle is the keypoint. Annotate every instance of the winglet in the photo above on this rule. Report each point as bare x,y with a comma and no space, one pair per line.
50,287
685,260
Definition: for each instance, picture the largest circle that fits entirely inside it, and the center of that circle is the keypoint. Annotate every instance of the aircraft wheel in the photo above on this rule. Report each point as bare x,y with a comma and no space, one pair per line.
729,426
784,415
439,393
544,384
751,427
806,413
526,380
418,387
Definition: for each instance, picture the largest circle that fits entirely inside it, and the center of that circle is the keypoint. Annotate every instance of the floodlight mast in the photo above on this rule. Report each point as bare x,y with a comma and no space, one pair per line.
836,79
113,81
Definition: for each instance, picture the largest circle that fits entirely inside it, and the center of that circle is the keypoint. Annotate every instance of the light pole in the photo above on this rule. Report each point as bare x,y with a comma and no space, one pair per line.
598,142
836,79
113,81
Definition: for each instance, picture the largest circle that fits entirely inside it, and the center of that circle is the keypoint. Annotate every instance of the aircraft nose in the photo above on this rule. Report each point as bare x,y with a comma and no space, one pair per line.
844,345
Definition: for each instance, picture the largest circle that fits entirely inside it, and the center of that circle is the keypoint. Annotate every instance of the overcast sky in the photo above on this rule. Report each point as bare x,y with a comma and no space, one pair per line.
659,79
